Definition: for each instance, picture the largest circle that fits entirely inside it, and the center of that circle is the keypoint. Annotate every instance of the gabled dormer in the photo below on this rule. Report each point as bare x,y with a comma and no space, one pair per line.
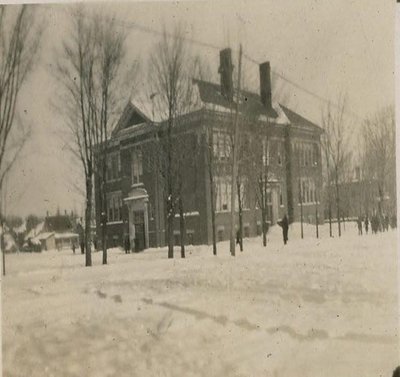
132,116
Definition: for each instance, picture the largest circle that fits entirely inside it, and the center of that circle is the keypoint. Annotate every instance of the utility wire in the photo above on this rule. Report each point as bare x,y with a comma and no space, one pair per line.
135,25
149,30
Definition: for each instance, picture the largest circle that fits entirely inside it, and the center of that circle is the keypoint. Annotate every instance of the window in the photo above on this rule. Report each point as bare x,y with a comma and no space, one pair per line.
136,166
266,149
307,154
244,196
307,192
113,166
151,211
223,202
245,146
259,228
315,154
223,195
114,207
221,145
279,156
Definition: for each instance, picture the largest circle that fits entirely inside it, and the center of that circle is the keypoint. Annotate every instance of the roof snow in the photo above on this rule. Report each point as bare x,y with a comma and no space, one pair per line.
20,229
35,231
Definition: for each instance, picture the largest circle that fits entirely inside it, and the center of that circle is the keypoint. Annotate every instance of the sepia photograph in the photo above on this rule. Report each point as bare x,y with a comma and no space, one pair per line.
199,188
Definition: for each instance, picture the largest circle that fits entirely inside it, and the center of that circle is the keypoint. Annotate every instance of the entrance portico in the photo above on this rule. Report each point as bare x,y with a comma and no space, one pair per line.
137,202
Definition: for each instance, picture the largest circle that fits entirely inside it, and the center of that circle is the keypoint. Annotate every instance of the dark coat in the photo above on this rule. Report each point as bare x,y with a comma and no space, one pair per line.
284,223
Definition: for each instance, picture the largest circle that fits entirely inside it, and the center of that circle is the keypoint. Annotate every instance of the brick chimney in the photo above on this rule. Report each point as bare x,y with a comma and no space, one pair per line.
225,70
265,85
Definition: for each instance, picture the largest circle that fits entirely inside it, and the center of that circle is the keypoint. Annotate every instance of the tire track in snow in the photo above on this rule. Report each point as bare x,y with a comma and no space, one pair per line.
312,334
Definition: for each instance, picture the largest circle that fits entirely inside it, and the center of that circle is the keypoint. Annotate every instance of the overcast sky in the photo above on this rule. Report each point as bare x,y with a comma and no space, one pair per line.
326,47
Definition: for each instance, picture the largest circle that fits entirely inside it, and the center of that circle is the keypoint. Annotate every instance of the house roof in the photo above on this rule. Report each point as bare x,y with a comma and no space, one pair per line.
44,235
298,120
35,231
250,103
58,223
69,235
139,113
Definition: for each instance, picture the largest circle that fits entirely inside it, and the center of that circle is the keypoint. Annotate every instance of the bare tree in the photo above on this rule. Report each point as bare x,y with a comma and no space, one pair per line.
260,174
90,70
75,71
203,72
335,143
211,168
379,155
19,44
170,78
235,151
106,102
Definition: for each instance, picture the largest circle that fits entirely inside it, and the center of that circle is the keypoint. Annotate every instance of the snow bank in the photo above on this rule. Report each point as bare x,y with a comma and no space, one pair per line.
315,307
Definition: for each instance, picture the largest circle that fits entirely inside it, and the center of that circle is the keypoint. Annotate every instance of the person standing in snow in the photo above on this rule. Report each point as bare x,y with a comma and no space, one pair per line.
127,244
359,225
387,222
284,223
366,222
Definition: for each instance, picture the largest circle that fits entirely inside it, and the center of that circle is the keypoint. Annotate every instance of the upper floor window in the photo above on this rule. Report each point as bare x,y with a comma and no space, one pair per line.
279,153
114,206
221,145
113,166
136,166
306,154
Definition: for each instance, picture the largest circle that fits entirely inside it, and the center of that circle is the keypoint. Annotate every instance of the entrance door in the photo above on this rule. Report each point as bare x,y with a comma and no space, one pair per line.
138,221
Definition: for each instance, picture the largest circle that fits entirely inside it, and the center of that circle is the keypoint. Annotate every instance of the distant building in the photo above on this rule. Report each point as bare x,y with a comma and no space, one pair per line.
360,196
136,200
55,232
46,241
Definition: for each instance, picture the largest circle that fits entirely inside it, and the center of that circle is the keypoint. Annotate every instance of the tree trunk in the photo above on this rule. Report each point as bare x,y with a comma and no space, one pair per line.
381,198
170,182
316,219
88,217
212,193
182,227
235,151
170,227
104,212
301,210
264,207
338,207
301,219
2,244
240,216
104,238
263,227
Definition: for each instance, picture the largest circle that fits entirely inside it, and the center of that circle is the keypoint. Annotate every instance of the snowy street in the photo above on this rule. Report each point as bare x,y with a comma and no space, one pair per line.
315,307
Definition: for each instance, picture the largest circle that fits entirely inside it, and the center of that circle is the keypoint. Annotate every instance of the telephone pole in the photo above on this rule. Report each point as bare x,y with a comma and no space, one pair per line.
235,158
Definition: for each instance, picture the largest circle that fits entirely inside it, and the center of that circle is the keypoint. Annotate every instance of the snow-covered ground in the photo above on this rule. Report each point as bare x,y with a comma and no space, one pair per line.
315,307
